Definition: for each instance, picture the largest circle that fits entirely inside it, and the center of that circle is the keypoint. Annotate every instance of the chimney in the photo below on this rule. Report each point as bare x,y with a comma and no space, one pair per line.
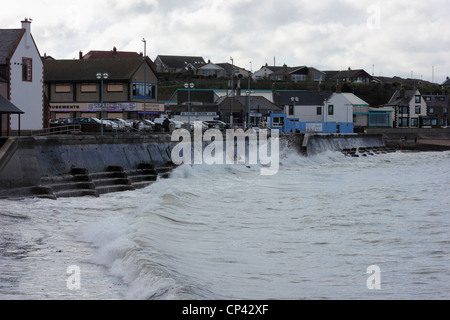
80,55
114,52
26,24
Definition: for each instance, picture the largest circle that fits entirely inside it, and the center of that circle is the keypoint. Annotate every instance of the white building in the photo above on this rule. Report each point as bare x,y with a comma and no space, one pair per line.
410,109
22,75
341,106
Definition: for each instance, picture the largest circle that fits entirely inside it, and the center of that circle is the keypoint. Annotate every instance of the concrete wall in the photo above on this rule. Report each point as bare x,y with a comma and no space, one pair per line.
411,133
24,161
320,143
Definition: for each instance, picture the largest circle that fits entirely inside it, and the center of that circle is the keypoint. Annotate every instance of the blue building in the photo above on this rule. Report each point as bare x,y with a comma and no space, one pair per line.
315,111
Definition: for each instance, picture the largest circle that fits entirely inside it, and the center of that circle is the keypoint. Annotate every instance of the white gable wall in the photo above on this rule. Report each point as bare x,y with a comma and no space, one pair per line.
27,96
343,109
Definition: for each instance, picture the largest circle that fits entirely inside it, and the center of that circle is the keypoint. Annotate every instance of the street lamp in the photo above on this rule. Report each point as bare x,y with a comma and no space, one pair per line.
249,108
102,76
189,86
145,77
232,91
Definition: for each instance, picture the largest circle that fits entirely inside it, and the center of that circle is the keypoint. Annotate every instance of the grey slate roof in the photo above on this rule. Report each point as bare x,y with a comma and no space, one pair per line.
86,70
258,103
437,100
178,62
8,40
7,107
401,100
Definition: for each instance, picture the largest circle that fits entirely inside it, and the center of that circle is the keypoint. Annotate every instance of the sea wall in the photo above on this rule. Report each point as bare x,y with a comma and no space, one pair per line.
46,162
23,161
317,143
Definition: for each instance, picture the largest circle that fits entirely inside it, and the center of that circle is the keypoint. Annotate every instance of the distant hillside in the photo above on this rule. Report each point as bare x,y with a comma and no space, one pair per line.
373,93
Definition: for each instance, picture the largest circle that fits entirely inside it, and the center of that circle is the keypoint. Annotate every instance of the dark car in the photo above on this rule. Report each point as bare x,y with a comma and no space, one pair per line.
64,121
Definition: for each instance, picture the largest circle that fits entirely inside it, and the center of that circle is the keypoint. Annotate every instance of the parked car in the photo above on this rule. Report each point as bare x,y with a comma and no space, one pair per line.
122,124
196,124
86,121
108,125
216,124
63,121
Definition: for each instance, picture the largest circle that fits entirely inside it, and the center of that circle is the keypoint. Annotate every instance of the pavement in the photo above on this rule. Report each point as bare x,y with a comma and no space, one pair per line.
421,144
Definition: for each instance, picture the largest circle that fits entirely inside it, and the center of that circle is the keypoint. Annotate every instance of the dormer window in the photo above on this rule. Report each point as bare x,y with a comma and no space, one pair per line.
27,69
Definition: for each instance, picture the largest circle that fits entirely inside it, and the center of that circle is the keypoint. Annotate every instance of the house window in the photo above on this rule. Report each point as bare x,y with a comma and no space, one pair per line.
414,122
417,109
27,69
418,99
445,110
403,110
403,122
319,111
379,120
278,122
88,87
63,88
330,110
318,77
431,110
291,110
144,90
115,87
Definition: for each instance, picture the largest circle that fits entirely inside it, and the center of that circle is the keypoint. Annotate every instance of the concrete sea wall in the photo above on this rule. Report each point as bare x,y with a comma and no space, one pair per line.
27,161
57,166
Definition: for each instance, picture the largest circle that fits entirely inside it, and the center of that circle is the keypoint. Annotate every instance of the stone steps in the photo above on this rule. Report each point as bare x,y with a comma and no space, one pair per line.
364,152
79,182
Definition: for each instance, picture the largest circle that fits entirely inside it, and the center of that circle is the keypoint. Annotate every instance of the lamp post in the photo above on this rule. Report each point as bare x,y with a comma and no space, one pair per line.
145,77
232,92
249,108
189,86
101,76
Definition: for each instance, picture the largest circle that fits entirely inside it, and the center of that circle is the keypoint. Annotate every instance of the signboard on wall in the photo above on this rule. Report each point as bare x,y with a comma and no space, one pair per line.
112,106
314,127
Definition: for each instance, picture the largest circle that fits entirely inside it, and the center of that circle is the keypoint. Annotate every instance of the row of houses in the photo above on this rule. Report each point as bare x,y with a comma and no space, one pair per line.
39,89
197,66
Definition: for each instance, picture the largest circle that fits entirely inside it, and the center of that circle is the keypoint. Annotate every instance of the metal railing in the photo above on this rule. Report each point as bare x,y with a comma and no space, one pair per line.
68,129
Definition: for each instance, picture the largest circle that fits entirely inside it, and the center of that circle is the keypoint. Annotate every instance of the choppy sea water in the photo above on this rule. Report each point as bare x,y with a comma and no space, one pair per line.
226,232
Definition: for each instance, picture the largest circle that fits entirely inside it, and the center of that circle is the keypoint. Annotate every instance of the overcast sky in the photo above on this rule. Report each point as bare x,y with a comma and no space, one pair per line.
388,38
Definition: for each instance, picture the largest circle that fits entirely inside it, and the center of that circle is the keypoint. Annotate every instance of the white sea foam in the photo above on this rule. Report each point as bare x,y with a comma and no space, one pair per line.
311,231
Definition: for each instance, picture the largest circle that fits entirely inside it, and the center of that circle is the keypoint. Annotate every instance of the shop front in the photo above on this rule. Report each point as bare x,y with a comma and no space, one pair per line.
121,110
